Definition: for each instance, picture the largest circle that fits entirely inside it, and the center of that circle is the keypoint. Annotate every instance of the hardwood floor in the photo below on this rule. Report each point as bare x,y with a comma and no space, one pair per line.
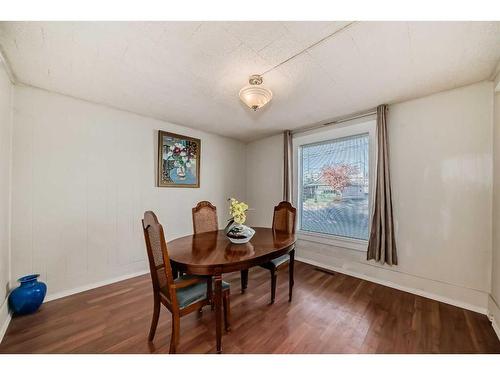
328,314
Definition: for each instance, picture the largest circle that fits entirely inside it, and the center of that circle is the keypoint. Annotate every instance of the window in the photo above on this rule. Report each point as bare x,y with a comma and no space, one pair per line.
333,184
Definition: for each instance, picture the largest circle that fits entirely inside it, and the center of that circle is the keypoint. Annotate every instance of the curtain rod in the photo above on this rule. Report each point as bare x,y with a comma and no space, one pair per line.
355,116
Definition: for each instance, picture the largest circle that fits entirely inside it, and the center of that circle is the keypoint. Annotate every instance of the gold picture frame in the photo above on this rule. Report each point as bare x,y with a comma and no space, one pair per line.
179,159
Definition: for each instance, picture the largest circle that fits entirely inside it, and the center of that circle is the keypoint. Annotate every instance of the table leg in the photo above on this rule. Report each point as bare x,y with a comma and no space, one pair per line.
290,272
218,311
244,280
175,271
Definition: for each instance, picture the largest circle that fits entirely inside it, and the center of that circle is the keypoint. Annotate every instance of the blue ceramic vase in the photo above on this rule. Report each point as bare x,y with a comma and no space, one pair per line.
27,297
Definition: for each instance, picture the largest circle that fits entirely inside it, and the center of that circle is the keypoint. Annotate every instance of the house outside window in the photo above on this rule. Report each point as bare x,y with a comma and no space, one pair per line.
333,184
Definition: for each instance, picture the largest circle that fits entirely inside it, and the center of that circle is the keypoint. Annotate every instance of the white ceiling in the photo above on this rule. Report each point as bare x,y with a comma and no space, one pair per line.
190,72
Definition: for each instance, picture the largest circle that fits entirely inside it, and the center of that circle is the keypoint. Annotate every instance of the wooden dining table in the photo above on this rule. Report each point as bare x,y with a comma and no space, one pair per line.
212,254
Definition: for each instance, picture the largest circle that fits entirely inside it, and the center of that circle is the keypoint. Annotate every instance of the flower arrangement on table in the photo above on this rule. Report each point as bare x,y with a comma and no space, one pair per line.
235,230
238,211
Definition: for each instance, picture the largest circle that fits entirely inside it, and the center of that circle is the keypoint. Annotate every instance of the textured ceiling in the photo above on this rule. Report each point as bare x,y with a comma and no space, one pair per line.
190,72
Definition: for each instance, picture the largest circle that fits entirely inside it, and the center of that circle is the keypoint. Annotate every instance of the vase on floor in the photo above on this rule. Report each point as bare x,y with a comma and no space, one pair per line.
27,297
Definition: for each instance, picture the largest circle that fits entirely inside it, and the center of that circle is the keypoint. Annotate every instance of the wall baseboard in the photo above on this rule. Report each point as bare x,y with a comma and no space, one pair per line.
5,317
83,288
418,292
495,326
494,314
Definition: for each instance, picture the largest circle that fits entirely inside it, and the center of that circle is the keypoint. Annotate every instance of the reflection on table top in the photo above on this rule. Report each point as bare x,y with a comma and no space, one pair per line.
213,249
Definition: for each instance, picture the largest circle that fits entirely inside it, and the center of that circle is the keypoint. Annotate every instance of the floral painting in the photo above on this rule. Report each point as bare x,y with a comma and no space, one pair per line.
178,160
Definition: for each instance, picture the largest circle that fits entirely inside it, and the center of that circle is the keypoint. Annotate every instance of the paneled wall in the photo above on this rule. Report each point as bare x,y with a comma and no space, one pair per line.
264,178
83,175
494,303
5,162
441,163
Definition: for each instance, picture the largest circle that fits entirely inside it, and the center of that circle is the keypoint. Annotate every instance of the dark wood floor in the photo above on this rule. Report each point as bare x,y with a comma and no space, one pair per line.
329,314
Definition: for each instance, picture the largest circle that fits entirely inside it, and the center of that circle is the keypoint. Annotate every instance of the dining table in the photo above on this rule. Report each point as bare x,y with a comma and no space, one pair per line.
213,254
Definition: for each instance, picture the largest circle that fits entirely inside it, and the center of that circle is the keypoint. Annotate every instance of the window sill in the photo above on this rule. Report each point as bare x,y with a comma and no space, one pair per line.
327,239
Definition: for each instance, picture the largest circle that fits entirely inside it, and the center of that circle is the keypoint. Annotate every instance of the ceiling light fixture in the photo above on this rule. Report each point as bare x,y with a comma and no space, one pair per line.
254,95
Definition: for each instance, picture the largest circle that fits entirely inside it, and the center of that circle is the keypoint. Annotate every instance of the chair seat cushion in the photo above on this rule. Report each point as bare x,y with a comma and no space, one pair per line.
280,260
193,293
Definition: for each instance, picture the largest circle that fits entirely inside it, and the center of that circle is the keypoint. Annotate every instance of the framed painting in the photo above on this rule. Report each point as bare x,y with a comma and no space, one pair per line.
178,160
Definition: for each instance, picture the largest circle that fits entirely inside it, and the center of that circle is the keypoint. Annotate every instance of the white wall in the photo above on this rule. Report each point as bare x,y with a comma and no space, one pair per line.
5,163
441,164
264,179
494,302
83,175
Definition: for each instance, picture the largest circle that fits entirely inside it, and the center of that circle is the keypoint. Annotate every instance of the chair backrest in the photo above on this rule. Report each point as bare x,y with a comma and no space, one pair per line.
159,262
284,217
205,217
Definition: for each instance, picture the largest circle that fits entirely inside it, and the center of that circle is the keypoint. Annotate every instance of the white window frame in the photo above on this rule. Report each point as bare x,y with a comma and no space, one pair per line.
345,129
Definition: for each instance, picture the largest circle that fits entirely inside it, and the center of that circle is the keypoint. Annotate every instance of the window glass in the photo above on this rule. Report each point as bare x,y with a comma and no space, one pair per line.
335,187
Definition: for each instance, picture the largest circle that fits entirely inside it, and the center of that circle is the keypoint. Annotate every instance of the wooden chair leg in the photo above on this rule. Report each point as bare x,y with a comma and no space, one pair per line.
174,338
244,280
291,265
227,312
273,285
154,320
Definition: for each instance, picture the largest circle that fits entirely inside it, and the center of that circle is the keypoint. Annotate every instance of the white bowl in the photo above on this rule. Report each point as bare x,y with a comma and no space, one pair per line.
240,240
249,234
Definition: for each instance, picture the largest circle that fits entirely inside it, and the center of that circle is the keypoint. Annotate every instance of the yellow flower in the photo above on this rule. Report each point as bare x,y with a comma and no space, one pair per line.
237,210
240,219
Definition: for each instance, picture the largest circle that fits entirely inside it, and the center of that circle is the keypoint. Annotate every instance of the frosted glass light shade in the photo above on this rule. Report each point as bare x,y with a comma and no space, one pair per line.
255,96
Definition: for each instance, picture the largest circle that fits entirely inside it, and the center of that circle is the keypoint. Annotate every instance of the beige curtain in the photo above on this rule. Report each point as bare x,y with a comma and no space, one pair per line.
287,166
382,244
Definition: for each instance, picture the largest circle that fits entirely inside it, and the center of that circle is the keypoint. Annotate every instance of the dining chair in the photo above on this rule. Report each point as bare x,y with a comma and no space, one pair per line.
205,217
284,218
181,295
205,220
